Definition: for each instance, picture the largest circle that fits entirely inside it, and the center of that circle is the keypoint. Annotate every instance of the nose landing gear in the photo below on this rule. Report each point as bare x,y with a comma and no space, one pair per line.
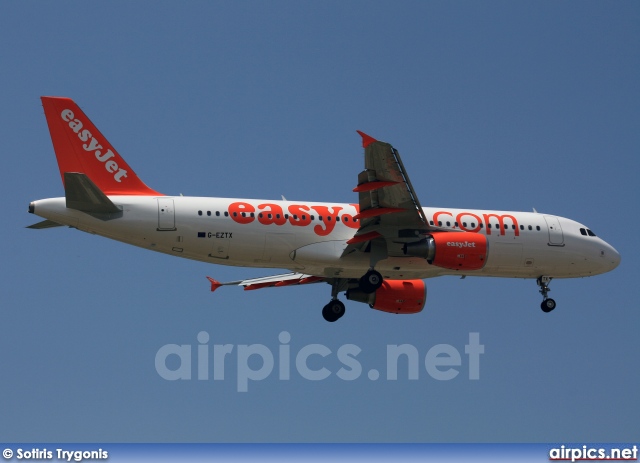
548,304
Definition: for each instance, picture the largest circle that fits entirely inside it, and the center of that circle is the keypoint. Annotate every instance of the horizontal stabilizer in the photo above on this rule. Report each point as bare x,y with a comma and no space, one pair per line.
83,195
287,279
214,284
45,224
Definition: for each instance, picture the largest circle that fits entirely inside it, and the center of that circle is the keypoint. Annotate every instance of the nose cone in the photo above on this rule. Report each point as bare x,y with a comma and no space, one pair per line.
610,257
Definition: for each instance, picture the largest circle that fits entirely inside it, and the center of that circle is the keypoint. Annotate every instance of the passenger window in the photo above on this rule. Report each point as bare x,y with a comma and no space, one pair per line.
448,224
313,217
346,219
538,227
217,213
488,225
521,227
473,225
199,212
226,213
455,224
464,224
209,213
338,219
439,223
530,228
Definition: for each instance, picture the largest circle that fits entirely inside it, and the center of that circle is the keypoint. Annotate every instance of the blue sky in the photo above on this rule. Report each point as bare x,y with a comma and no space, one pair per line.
501,105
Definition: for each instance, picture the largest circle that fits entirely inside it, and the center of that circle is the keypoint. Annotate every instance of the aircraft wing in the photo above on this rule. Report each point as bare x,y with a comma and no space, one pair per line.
390,212
286,279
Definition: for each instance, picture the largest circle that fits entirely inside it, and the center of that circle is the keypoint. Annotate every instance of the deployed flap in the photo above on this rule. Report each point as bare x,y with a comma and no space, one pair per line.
83,195
45,224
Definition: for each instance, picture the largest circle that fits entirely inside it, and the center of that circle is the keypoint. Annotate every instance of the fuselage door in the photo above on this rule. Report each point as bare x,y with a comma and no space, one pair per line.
556,238
166,215
220,248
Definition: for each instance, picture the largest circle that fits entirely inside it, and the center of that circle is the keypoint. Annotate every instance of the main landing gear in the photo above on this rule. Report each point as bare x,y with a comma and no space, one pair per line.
548,304
333,311
370,281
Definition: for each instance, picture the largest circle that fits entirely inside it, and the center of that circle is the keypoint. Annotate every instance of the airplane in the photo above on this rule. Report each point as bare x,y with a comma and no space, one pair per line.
378,250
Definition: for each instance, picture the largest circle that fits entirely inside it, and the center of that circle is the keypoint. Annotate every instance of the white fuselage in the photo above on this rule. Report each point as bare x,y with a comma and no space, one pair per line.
310,237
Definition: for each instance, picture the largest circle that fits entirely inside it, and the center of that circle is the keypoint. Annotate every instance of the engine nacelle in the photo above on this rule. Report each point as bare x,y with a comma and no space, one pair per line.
451,250
394,296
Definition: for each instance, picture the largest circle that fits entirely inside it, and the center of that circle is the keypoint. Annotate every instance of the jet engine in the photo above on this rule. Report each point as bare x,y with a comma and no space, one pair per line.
451,250
394,296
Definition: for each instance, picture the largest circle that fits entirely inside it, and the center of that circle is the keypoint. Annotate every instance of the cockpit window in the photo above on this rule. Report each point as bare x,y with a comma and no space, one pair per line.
583,232
590,232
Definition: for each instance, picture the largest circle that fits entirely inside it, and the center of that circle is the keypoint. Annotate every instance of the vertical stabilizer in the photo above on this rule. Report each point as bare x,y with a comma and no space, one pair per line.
81,148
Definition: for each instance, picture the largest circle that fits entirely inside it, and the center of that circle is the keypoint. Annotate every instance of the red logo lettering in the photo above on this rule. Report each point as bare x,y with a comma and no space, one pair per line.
501,224
271,215
462,225
438,214
241,212
329,219
299,215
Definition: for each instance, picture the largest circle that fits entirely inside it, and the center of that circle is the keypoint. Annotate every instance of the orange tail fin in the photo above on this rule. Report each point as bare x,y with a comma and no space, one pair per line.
80,147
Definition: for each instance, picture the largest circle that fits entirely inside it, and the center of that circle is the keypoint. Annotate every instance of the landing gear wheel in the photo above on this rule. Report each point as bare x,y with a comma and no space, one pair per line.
548,305
333,311
370,282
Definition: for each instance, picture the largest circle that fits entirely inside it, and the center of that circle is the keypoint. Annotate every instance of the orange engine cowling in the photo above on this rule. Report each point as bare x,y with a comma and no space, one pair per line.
452,250
394,296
